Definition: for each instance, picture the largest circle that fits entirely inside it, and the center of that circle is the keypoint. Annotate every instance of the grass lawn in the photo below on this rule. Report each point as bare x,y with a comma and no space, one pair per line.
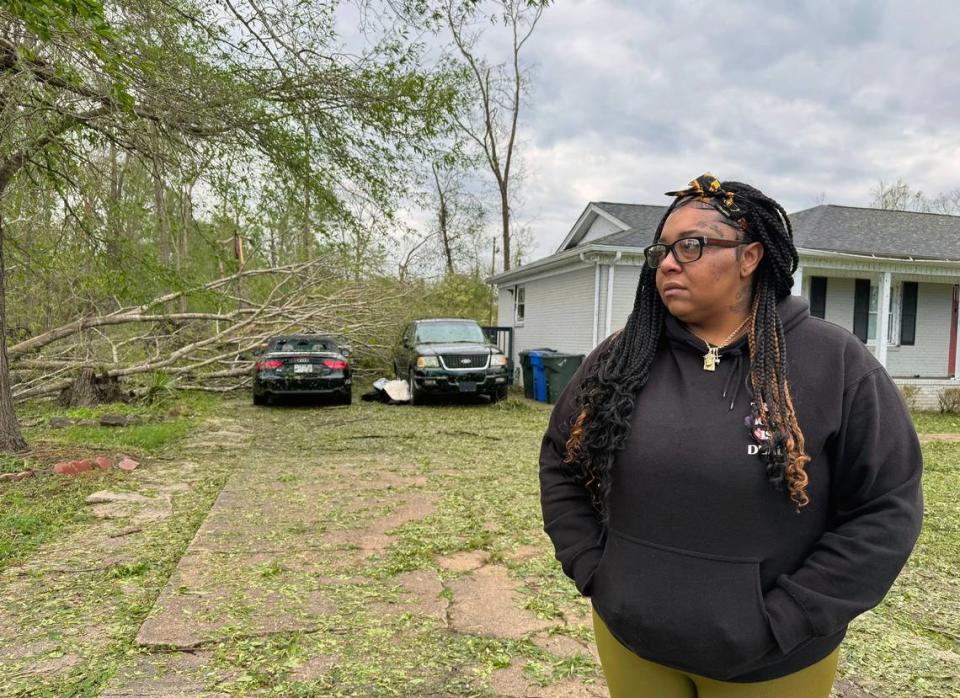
33,510
479,463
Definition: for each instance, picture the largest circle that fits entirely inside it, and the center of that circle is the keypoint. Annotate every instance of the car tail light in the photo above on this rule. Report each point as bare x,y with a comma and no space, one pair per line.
335,364
269,365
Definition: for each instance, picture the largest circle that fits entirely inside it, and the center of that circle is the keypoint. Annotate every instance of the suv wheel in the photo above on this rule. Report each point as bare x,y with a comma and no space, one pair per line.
499,394
259,399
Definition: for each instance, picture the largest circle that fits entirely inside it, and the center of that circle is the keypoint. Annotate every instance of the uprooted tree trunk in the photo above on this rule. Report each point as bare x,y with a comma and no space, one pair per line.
89,389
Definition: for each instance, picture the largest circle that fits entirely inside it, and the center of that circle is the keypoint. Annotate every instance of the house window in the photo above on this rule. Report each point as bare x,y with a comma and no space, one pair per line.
818,296
518,305
865,301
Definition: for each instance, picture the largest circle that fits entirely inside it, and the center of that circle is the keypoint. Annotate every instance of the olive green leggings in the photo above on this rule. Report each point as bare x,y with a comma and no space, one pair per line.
630,676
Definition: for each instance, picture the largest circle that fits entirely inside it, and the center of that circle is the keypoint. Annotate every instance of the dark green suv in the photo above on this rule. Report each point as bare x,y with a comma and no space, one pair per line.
444,356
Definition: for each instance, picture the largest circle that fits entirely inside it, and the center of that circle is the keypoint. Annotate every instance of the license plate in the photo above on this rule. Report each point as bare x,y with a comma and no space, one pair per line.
303,368
468,387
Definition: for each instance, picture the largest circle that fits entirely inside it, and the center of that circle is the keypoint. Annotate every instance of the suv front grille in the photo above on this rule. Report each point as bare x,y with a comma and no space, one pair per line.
464,362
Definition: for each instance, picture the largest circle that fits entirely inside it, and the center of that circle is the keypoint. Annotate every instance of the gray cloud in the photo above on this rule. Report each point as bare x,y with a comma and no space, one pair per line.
805,99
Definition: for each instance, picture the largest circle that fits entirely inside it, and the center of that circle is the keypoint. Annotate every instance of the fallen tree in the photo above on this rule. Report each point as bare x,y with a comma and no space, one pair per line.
211,349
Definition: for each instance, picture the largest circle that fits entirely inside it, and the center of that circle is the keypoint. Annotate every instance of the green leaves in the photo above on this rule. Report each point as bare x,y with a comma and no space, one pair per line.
44,17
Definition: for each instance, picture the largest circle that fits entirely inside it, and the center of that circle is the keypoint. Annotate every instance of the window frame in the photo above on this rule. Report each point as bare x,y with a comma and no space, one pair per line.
893,313
519,305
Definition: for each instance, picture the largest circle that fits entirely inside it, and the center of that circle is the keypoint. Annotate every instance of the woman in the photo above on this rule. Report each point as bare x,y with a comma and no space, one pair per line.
729,479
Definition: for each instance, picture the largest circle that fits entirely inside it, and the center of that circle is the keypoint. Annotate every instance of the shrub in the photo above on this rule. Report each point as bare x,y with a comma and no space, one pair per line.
910,394
950,400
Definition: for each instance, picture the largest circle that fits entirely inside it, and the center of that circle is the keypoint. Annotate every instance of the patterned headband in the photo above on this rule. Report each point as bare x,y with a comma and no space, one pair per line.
707,188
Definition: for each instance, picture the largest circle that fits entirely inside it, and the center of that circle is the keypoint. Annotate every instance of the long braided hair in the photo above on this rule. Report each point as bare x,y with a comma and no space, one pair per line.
607,395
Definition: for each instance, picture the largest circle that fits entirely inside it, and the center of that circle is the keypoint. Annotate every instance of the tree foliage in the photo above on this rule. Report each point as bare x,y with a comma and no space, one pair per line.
148,146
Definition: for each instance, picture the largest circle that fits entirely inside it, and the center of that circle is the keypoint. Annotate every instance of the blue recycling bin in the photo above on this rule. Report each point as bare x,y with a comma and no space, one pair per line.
539,375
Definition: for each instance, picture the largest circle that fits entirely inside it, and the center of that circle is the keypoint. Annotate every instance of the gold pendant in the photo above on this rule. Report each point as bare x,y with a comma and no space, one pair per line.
711,359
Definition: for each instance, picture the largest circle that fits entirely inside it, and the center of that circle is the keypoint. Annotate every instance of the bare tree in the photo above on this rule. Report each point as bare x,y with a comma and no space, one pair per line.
498,88
459,216
902,197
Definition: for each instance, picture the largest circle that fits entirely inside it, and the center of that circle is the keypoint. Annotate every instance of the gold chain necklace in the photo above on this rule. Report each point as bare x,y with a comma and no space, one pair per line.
712,357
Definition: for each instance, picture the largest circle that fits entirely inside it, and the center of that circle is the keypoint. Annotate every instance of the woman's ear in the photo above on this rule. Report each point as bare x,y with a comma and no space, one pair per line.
750,259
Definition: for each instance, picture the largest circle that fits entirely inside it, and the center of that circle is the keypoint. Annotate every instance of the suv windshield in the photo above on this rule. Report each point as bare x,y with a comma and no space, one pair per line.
439,332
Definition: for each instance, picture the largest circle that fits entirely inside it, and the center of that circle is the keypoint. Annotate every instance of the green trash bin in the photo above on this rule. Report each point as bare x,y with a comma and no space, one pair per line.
559,368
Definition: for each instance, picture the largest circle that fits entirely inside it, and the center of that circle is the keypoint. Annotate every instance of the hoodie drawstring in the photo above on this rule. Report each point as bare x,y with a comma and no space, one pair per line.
735,383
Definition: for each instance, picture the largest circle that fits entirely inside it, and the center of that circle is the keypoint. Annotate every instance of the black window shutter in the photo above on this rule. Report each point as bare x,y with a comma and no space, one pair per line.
861,308
908,313
818,296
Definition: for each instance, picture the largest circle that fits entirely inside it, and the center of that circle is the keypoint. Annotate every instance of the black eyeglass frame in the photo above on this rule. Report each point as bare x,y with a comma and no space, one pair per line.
704,242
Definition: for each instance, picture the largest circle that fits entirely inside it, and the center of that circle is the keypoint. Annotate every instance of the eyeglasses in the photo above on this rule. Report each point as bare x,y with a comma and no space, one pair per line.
685,249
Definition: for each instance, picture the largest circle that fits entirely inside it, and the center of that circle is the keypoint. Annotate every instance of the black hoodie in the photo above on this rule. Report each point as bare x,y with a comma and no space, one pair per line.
704,566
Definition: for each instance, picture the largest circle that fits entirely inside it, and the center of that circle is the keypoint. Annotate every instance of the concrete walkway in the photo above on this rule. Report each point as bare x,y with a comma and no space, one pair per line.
293,547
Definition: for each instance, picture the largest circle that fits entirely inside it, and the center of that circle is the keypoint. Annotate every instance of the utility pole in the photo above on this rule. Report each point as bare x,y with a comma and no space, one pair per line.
493,270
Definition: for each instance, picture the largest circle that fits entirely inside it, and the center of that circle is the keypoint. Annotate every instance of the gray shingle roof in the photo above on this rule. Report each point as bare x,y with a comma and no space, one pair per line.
830,228
878,232
640,216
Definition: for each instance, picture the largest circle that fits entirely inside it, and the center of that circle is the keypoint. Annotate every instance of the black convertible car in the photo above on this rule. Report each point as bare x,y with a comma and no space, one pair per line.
312,365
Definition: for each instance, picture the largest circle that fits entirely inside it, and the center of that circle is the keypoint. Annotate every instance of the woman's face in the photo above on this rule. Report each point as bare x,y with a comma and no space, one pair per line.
717,284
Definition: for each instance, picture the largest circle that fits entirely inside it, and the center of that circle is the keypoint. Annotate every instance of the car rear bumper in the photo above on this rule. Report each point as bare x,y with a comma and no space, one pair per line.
302,386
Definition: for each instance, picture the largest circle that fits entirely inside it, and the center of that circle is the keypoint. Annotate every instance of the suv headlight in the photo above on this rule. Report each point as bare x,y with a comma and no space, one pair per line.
428,362
498,360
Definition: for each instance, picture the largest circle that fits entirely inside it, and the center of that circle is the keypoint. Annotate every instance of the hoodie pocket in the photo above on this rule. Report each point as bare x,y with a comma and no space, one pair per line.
694,611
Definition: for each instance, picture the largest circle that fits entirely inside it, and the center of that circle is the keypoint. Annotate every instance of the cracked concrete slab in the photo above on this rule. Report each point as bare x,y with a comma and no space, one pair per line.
487,603
255,565
465,561
167,675
420,594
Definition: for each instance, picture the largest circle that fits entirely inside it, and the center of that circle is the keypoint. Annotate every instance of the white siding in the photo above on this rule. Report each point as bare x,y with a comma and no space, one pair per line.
559,314
928,357
839,308
625,280
600,227
504,306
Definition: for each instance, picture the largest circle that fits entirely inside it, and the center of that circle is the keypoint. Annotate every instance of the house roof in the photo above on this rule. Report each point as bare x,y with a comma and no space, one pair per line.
622,216
640,216
879,232
831,228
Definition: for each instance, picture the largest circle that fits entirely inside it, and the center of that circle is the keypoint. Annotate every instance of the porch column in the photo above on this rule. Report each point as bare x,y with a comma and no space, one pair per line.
883,317
596,299
956,351
613,265
798,281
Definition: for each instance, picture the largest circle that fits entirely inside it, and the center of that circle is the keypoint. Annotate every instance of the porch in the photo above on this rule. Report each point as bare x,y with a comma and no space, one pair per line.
916,337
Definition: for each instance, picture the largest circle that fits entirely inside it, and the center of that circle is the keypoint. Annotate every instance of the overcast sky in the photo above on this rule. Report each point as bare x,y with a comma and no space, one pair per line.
805,100
809,101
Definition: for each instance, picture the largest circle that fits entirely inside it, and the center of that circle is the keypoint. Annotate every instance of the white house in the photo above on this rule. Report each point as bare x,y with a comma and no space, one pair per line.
853,261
